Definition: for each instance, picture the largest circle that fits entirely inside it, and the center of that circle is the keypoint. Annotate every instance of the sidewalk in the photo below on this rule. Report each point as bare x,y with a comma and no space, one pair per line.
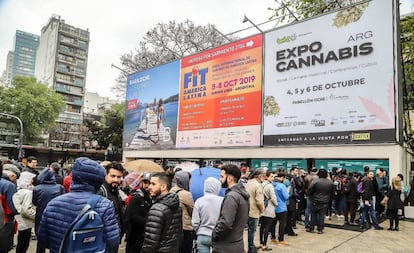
339,240
334,241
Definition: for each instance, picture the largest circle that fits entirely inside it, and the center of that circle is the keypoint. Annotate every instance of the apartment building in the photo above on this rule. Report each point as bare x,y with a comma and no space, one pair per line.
61,63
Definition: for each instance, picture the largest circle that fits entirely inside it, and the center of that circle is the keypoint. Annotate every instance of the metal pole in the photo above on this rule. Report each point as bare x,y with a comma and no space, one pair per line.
19,157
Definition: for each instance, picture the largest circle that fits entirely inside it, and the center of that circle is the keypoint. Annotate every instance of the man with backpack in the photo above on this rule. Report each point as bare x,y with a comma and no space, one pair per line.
60,214
339,194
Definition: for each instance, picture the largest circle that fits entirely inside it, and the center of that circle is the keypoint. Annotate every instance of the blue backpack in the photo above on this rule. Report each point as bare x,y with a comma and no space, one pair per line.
86,233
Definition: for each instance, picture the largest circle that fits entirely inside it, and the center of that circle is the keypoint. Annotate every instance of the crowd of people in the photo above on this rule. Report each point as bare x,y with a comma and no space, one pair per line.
159,212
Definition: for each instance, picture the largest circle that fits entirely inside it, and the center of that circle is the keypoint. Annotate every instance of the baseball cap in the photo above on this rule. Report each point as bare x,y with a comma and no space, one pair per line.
13,168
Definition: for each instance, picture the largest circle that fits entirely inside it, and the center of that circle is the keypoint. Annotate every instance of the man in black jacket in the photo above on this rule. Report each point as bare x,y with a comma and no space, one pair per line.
351,198
320,191
367,195
164,228
228,232
136,216
110,190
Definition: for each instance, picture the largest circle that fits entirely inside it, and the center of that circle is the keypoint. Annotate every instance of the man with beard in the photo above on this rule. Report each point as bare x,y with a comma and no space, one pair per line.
164,228
136,214
110,190
234,213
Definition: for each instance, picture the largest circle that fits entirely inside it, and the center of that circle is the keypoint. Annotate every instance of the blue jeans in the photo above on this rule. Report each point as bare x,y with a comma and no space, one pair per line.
203,243
369,210
308,211
251,230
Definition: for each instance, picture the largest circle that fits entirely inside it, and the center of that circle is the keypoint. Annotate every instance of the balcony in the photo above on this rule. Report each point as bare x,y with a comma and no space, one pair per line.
62,89
79,83
78,102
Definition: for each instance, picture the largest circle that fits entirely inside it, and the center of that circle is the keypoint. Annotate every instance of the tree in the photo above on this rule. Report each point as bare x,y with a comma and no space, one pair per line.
296,10
109,129
34,103
407,55
165,43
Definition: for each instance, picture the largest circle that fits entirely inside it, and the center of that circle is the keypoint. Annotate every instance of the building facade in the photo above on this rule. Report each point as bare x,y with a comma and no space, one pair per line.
97,105
24,56
6,77
61,63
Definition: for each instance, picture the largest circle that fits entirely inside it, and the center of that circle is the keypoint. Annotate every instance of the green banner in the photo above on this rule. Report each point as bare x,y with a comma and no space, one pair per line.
353,165
273,164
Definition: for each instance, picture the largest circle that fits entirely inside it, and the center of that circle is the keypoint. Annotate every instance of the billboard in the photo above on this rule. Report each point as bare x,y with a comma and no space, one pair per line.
220,96
330,80
152,108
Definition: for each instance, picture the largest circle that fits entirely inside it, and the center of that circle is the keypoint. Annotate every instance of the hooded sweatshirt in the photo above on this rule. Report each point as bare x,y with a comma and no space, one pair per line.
22,200
207,208
88,176
228,232
182,179
45,190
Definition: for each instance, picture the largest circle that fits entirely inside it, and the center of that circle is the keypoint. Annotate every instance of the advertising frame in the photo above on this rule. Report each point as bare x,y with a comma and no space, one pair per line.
277,135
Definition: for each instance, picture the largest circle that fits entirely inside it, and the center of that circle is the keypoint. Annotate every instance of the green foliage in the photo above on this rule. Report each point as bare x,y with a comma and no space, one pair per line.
295,10
113,120
34,103
109,129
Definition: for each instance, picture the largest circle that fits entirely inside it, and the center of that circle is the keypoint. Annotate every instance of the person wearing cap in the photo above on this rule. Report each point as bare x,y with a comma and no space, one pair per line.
228,232
255,189
88,176
136,211
11,171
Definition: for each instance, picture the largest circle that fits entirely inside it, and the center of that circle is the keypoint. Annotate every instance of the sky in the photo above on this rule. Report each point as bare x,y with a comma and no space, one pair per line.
116,27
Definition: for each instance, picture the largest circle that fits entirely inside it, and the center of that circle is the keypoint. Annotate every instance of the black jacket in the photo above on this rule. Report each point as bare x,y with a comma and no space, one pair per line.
45,190
352,192
228,233
369,190
164,231
135,219
113,195
394,201
321,190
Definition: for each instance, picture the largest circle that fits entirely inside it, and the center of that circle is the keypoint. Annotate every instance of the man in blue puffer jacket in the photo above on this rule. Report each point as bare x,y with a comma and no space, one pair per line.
87,177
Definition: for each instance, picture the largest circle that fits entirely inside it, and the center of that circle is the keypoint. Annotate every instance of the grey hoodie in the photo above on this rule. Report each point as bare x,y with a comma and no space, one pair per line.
182,179
207,208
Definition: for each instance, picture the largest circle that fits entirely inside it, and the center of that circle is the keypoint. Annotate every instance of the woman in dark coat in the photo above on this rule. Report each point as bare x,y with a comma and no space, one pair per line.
394,203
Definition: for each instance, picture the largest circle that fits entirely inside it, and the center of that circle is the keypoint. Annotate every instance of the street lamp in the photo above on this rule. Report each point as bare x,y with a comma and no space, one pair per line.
246,19
118,68
19,157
